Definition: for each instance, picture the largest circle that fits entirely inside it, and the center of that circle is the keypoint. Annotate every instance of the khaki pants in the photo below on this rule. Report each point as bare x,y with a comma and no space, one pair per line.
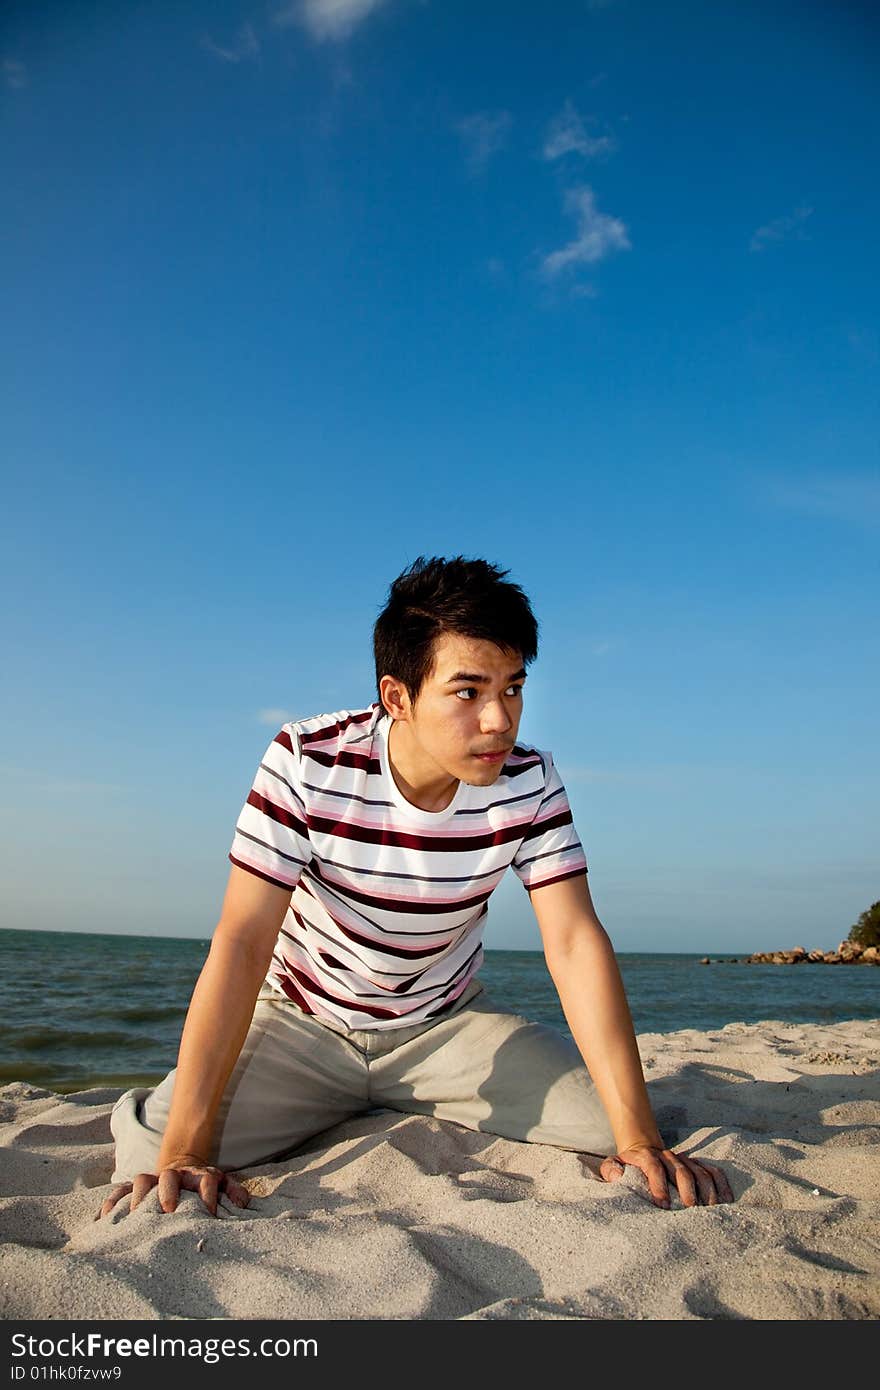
478,1065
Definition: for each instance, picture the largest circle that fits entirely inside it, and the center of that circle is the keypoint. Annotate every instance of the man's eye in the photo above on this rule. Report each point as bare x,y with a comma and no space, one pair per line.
471,690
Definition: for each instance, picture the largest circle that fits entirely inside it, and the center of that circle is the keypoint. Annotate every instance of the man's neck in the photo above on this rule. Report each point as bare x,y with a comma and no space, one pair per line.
414,776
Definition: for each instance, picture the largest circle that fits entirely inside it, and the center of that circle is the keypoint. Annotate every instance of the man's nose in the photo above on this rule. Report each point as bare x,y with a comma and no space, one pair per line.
494,718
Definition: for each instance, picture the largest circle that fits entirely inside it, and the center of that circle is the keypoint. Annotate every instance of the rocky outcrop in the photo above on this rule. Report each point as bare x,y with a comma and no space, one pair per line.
847,953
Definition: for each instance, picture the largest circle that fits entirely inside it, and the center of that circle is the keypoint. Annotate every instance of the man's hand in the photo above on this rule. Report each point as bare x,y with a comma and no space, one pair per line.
698,1184
194,1177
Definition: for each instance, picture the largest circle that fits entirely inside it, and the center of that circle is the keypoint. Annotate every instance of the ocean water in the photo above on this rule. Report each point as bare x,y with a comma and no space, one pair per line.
79,1010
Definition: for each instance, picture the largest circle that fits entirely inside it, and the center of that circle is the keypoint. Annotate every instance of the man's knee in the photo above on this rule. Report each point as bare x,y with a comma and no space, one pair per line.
137,1143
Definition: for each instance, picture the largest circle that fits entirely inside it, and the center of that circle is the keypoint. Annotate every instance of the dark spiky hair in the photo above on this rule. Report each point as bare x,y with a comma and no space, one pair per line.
432,597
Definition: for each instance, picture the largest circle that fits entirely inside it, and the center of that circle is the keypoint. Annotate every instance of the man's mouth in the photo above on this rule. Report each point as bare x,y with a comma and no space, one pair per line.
496,757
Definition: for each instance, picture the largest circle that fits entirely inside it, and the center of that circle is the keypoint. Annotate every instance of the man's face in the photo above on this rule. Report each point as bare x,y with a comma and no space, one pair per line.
470,705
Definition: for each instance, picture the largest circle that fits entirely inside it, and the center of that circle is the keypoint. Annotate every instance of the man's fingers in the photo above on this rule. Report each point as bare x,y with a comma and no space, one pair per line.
143,1183
718,1176
237,1192
208,1184
697,1183
611,1169
649,1164
705,1185
212,1182
683,1179
655,1171
115,1196
169,1188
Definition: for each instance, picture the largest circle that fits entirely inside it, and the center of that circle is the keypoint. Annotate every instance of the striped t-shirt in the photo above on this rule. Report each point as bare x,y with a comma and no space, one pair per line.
389,902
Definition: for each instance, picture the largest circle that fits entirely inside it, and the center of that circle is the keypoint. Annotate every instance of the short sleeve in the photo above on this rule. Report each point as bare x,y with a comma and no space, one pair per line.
272,835
550,849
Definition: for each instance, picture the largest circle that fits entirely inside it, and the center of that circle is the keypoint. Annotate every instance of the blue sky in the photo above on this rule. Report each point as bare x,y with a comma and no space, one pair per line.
294,293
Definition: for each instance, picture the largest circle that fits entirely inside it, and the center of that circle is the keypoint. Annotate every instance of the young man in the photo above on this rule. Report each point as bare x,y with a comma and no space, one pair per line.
342,975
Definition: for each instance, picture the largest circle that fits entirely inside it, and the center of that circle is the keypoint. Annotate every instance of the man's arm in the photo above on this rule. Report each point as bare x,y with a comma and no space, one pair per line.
216,1026
584,970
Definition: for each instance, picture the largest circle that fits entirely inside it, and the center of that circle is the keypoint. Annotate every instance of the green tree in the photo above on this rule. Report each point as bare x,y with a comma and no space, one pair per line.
866,931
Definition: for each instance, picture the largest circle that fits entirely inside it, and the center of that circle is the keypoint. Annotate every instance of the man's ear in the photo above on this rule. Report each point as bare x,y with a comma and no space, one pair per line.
395,697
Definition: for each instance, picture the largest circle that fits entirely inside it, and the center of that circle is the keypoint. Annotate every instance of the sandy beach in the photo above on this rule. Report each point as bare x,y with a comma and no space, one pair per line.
403,1217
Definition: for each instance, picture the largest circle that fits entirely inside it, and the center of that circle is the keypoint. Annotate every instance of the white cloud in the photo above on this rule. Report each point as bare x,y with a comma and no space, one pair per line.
246,46
328,19
274,717
567,135
838,496
780,229
597,237
635,776
483,135
865,342
14,72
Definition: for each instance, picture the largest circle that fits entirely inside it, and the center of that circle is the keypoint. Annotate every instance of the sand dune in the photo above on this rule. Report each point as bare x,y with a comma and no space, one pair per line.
402,1217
